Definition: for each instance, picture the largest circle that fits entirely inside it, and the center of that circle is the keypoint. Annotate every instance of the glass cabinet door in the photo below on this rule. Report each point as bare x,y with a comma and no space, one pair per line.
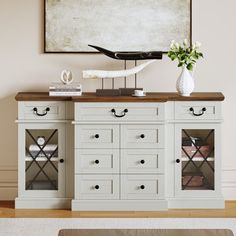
43,158
196,159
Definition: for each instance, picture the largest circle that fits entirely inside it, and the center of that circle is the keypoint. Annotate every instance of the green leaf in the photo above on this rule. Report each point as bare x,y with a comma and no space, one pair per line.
180,64
190,66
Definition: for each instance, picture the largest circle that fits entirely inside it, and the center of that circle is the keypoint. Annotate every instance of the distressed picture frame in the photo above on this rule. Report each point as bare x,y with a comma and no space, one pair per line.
118,25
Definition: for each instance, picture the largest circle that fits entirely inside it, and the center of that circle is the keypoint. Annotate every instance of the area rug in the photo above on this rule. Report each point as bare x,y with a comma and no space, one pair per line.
51,227
145,232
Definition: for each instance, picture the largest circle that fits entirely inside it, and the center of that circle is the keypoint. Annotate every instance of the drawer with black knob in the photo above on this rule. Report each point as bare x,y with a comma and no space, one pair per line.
96,136
197,110
42,110
96,187
145,161
142,136
117,112
97,161
142,187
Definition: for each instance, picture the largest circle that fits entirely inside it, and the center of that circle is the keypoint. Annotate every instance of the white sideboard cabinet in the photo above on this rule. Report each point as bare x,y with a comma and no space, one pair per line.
122,153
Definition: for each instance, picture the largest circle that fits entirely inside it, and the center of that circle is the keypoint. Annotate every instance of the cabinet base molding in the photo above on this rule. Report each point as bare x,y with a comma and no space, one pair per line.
196,203
43,203
119,205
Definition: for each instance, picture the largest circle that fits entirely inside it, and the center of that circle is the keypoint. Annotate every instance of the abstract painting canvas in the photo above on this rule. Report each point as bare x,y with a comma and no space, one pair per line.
118,25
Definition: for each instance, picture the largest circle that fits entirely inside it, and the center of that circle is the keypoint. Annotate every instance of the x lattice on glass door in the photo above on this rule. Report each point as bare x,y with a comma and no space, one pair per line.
204,160
48,160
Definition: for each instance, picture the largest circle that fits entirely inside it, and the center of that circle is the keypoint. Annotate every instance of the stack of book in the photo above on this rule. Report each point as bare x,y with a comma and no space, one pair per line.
59,89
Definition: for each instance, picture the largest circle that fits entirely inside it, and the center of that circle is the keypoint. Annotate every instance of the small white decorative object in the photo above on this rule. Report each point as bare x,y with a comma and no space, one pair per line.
66,77
41,140
102,74
185,83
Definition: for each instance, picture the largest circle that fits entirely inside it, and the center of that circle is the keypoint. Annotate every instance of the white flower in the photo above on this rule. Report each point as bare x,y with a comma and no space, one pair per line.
198,44
172,45
185,42
177,45
194,46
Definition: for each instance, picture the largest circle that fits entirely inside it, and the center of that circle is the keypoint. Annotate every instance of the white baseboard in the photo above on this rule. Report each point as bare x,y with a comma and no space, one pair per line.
8,183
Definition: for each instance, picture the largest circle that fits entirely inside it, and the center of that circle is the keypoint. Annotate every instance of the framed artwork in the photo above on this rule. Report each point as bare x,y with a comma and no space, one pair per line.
118,25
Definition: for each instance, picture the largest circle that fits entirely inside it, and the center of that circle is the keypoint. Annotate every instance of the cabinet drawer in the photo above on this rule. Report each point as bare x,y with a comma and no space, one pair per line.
119,111
97,136
197,110
147,161
92,161
142,187
97,187
142,136
41,110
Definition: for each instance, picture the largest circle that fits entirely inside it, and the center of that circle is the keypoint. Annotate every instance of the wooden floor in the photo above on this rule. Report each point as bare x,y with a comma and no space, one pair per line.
7,211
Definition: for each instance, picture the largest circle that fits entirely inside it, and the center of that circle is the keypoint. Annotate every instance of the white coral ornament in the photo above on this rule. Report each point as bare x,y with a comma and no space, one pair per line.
66,77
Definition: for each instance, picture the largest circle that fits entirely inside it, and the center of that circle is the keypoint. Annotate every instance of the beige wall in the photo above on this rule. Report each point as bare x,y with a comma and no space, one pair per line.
24,67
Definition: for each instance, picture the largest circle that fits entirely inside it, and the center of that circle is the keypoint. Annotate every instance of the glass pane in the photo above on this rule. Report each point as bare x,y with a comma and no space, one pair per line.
38,179
41,159
198,159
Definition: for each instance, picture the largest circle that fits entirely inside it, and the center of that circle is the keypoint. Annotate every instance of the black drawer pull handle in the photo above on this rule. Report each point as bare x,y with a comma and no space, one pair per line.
119,116
142,187
200,114
96,135
142,136
35,109
96,186
62,161
96,161
142,162
177,160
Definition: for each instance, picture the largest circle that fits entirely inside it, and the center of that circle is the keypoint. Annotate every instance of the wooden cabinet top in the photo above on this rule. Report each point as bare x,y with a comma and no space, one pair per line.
151,97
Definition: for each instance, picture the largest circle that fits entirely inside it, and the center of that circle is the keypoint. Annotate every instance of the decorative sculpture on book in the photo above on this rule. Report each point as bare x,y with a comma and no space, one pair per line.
102,74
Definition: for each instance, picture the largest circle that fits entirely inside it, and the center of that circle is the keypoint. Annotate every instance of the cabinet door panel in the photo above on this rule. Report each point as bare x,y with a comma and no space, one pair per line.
42,160
197,164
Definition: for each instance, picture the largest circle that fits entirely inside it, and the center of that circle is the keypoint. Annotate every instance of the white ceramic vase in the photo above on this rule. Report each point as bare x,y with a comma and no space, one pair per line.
185,83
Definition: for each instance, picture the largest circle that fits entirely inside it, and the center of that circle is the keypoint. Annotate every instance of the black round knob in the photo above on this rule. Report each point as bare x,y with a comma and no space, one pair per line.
142,187
142,136
96,162
47,109
204,109
126,110
61,160
177,160
142,161
96,135
113,110
35,109
96,186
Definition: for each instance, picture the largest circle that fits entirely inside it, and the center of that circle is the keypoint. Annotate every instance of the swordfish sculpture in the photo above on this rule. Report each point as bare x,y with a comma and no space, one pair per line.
130,55
152,56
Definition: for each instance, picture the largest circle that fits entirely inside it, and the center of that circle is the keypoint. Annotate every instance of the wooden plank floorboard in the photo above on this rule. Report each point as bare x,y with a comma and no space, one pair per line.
7,210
